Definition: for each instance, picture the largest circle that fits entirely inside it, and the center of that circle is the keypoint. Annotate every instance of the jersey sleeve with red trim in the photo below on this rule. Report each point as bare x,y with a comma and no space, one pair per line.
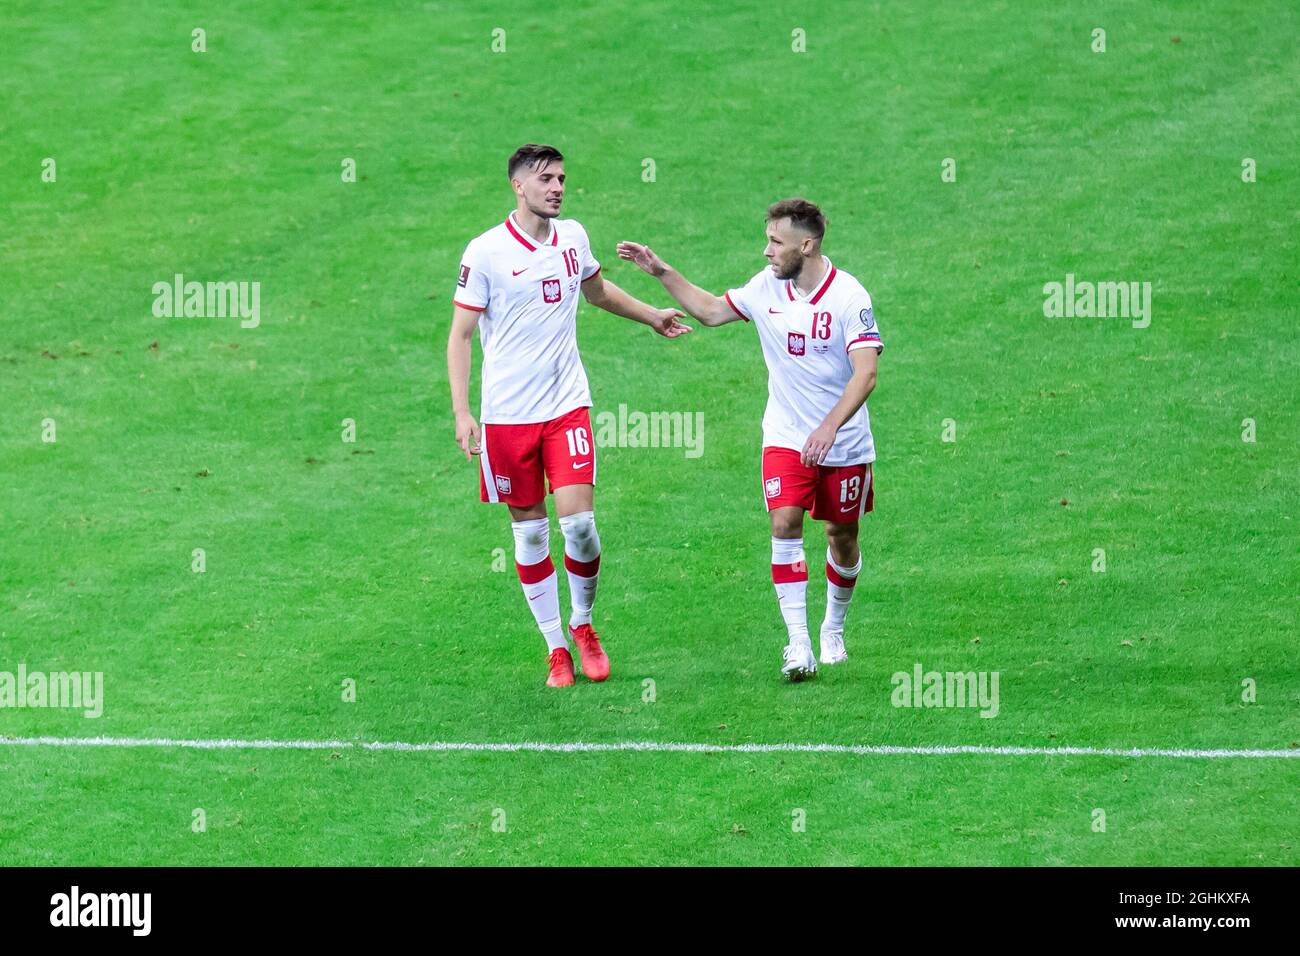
588,266
745,300
860,330
474,286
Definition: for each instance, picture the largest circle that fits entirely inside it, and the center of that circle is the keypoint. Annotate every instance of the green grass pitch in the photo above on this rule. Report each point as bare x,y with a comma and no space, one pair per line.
372,561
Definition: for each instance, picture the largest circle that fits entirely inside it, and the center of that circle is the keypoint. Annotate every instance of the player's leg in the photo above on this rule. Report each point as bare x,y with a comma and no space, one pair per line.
532,531
569,455
788,487
843,564
575,507
790,571
843,496
511,473
790,579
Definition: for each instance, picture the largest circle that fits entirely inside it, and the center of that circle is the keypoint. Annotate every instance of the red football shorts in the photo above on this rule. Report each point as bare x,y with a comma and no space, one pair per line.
841,494
514,458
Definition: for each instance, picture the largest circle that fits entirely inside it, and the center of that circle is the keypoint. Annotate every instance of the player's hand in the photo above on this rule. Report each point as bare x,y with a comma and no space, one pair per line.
818,446
666,324
467,432
643,256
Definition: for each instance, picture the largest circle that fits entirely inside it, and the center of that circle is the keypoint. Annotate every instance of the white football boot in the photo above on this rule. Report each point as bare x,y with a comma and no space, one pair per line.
799,661
833,651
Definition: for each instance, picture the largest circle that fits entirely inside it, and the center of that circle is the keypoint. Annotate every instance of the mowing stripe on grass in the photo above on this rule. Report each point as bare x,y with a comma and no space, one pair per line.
643,746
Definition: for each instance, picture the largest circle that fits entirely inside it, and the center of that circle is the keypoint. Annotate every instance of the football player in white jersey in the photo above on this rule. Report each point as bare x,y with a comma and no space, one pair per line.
821,344
518,286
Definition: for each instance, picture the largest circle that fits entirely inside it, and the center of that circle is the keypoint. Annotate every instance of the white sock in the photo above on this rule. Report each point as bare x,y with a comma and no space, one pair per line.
839,592
790,578
582,563
538,577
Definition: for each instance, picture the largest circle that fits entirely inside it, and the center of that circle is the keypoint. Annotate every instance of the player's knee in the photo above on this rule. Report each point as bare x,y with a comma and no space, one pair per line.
843,542
842,534
787,526
532,537
580,538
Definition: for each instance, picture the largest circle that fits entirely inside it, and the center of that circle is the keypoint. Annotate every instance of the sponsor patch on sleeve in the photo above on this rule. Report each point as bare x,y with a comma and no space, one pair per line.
464,276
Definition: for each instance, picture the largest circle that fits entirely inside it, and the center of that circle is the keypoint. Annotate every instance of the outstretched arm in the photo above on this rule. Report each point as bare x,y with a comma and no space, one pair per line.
861,384
710,309
605,295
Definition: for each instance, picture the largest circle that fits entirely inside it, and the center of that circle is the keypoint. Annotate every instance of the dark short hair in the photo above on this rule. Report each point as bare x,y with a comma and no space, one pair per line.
532,155
803,214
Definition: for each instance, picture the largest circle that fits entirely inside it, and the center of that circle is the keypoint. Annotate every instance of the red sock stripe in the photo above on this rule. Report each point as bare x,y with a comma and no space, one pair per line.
789,573
837,579
584,569
532,573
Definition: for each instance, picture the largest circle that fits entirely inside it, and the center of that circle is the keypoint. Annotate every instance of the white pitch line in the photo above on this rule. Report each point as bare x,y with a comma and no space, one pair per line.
644,746
222,744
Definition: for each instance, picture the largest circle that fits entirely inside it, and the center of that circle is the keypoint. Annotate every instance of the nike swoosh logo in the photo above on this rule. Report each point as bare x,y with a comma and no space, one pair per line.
772,311
521,271
848,509
583,465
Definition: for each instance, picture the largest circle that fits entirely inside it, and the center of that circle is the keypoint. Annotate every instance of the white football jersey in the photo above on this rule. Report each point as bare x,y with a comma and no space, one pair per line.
528,294
806,343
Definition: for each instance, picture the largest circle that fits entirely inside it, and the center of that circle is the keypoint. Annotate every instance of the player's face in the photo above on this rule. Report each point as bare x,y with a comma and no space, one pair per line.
786,248
542,189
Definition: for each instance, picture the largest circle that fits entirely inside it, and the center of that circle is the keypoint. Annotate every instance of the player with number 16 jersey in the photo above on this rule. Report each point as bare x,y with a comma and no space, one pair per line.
518,285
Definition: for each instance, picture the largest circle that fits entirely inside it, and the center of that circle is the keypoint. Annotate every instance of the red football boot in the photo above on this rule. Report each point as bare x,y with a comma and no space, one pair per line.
561,662
595,663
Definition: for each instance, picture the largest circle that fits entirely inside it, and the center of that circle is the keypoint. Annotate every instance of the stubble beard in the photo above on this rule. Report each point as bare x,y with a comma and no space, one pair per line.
544,211
791,272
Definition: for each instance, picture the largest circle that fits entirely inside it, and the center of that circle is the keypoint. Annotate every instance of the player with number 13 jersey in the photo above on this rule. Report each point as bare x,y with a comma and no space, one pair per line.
821,344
